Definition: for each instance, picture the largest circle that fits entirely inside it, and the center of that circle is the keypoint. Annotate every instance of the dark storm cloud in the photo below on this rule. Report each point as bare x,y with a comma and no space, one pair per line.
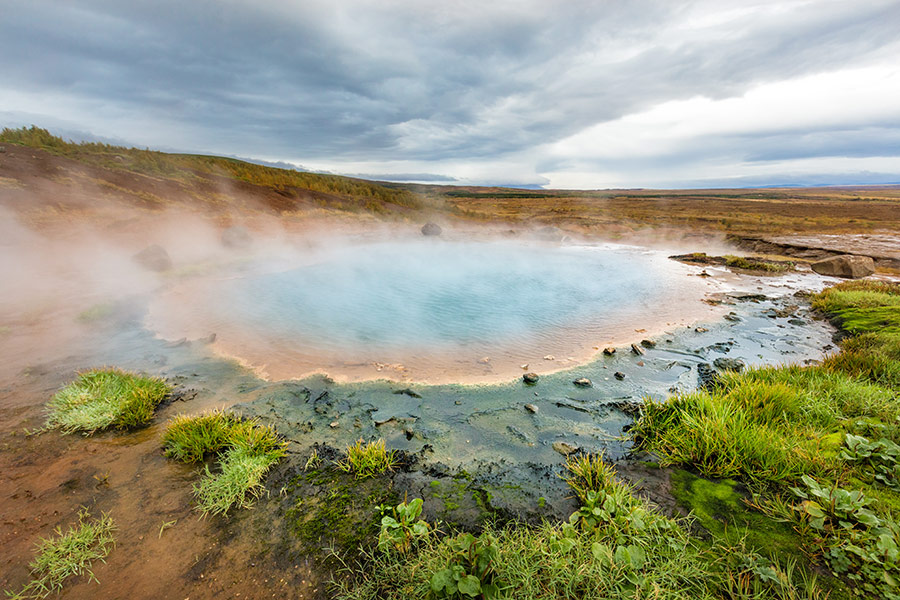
459,81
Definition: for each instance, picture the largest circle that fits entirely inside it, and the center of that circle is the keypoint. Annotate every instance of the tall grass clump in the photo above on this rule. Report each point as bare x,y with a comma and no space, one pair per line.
246,451
105,398
368,459
67,554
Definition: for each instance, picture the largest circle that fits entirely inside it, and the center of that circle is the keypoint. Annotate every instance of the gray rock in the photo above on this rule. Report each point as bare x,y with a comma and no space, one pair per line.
583,382
236,237
531,408
530,378
848,266
729,364
431,229
619,375
648,343
2,149
609,351
153,258
637,349
564,448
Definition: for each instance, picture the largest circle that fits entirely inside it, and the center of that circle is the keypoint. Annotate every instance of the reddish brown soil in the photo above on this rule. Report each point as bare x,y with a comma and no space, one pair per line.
46,478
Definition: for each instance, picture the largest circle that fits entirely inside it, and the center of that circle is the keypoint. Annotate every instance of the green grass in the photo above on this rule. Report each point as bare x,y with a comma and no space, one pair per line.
368,459
752,264
105,398
68,554
617,547
246,451
783,430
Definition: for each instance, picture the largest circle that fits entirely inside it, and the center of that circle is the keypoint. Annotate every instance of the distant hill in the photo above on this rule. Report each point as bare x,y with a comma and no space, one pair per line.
39,169
44,176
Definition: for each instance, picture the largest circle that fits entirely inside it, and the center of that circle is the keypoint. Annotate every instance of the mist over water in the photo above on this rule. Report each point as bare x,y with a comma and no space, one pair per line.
432,301
421,295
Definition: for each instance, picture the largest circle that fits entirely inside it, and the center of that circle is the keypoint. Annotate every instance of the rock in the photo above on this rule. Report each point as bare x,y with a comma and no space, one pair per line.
637,349
530,378
524,367
609,351
648,343
236,237
797,322
732,317
564,448
407,392
208,339
2,149
619,375
549,357
707,376
583,382
531,408
848,266
701,329
153,258
333,424
729,364
431,229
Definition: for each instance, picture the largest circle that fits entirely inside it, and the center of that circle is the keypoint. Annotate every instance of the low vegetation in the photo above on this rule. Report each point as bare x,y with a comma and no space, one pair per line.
190,168
745,263
615,546
246,451
105,398
816,445
368,459
68,554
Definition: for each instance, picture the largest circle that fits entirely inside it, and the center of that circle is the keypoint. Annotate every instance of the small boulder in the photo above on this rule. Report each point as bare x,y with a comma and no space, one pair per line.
531,408
609,351
729,364
431,229
2,149
619,375
848,266
583,382
648,343
637,349
564,448
236,237
530,378
153,258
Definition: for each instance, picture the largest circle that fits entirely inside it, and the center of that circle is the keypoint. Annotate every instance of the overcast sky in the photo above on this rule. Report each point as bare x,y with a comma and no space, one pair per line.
616,93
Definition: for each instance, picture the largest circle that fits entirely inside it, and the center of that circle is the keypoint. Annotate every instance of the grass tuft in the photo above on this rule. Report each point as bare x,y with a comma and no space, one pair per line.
106,398
368,459
247,451
67,554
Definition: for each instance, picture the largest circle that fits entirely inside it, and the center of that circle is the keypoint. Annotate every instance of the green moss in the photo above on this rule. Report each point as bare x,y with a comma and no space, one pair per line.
721,510
335,510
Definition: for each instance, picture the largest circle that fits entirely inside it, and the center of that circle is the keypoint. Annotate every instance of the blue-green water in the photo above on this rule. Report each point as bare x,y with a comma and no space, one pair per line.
432,295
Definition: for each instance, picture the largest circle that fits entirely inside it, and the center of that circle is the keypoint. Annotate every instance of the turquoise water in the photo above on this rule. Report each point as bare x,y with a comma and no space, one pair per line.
431,294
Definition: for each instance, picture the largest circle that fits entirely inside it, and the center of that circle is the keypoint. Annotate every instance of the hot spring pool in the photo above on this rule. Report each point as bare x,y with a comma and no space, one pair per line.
433,310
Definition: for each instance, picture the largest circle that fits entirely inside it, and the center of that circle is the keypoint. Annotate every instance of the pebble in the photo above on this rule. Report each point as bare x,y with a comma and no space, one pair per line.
583,382
619,375
637,349
609,351
531,408
530,378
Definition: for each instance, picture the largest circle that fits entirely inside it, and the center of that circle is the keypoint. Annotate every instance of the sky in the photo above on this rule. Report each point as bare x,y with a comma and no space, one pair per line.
552,93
